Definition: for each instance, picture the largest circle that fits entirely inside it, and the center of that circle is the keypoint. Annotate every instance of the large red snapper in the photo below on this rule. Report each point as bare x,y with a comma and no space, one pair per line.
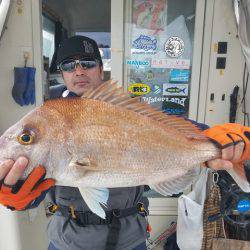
110,140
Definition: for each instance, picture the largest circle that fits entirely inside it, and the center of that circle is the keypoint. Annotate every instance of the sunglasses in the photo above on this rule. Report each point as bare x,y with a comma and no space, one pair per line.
70,64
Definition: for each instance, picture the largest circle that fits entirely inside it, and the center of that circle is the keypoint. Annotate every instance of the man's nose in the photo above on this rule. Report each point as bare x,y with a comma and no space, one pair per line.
80,70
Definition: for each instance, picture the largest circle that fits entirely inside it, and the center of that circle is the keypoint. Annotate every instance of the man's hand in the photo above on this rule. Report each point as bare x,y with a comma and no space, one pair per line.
229,155
11,171
21,195
234,140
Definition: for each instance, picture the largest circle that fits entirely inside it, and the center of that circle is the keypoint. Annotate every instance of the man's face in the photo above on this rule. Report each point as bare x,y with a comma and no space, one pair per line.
81,79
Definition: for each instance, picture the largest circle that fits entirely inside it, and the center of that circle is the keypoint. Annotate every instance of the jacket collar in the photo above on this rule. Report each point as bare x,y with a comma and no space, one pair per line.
67,94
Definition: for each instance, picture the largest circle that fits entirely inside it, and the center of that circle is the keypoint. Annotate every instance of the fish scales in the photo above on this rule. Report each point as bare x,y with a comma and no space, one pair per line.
122,139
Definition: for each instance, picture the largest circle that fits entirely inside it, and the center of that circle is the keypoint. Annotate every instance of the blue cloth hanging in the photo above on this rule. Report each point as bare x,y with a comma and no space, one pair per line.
20,82
29,94
23,90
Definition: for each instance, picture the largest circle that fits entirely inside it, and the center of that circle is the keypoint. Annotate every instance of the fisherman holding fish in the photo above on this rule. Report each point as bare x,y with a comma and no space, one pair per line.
75,224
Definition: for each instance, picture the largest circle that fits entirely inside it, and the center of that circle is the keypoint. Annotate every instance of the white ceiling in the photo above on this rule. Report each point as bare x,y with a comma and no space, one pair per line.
82,15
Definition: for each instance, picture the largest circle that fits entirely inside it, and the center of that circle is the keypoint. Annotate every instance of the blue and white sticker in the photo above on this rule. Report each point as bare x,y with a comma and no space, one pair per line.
243,206
170,89
144,44
179,75
182,101
156,89
175,105
138,63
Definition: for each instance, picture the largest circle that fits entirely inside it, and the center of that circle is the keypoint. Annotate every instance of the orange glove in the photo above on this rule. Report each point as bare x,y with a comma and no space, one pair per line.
29,194
231,134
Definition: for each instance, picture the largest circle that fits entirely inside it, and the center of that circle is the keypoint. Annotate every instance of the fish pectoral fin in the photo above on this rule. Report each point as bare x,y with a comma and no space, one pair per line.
84,163
94,198
177,185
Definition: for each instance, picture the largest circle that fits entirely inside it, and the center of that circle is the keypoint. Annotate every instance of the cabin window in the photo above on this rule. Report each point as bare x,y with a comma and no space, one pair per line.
48,38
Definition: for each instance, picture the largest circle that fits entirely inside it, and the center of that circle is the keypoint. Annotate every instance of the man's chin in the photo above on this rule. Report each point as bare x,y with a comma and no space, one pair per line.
81,90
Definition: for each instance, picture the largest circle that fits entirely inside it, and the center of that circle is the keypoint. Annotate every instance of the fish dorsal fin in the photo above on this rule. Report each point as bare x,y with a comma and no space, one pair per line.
111,93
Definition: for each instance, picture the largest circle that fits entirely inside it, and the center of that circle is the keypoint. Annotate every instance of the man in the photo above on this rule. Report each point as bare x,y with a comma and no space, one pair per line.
80,63
73,226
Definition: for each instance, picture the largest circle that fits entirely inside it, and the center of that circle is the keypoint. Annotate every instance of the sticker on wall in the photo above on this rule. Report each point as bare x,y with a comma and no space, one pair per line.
139,88
179,75
138,63
175,89
150,14
156,89
170,63
177,100
175,105
158,99
174,46
145,43
150,75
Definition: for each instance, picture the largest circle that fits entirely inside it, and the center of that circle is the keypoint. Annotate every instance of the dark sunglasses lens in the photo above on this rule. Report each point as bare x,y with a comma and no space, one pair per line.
68,66
88,64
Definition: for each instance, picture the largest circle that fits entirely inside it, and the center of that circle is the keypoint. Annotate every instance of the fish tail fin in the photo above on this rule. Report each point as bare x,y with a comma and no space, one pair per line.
241,175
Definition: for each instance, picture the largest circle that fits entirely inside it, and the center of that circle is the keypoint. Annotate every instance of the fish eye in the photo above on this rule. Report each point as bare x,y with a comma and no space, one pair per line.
25,138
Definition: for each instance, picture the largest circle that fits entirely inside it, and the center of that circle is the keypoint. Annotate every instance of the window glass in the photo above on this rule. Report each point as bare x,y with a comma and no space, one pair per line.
158,53
48,38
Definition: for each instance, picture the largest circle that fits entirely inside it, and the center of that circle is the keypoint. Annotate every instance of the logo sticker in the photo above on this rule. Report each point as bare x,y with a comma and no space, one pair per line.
137,63
156,89
179,75
150,75
170,63
174,46
175,105
145,43
175,89
177,100
173,99
139,88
